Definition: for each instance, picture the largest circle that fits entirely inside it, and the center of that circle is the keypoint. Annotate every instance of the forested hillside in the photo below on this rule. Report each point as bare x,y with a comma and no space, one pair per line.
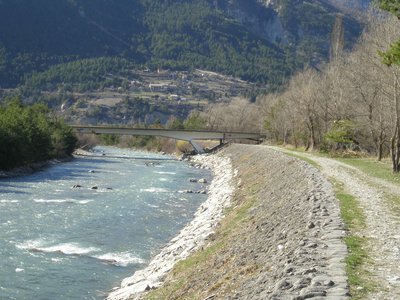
257,42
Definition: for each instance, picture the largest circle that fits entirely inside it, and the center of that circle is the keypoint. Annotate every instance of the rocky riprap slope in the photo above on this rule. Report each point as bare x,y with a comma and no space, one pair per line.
282,238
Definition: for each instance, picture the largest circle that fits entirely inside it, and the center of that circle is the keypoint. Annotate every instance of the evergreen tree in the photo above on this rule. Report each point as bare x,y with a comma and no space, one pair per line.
391,56
29,135
195,122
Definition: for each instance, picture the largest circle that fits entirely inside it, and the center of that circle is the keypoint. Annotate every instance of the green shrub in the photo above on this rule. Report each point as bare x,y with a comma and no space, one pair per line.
28,134
340,136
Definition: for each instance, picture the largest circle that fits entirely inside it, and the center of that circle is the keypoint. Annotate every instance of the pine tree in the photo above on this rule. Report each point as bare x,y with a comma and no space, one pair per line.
391,56
392,6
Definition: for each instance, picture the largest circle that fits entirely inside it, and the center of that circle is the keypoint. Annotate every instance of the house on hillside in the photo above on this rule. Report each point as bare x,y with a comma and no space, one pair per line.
174,97
158,87
161,87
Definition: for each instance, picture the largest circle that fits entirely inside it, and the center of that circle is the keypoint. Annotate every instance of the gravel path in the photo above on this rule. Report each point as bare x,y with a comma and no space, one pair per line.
382,223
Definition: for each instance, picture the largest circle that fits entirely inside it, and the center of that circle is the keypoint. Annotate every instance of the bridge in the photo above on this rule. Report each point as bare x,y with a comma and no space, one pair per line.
190,136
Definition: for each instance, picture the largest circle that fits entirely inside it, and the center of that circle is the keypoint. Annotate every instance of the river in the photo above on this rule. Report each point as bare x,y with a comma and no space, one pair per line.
61,242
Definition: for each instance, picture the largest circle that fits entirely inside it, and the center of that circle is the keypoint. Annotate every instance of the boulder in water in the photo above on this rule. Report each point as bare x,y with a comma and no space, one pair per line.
186,192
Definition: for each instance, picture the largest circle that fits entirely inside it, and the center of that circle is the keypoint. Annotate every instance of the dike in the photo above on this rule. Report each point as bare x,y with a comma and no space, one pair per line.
281,237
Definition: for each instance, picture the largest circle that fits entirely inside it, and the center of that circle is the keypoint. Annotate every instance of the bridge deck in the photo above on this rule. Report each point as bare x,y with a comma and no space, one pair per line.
186,135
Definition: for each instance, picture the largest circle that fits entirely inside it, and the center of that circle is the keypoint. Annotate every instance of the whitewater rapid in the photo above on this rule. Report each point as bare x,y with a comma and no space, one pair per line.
190,238
77,229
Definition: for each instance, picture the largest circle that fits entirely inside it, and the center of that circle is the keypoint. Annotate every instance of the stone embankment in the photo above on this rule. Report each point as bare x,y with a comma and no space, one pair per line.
292,234
280,239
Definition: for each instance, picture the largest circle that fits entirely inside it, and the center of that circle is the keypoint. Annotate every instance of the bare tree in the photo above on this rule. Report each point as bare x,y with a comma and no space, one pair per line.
356,88
365,76
381,36
238,115
278,118
337,39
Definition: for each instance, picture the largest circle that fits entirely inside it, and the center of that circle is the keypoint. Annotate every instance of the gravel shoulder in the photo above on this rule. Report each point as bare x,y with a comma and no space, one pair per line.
382,222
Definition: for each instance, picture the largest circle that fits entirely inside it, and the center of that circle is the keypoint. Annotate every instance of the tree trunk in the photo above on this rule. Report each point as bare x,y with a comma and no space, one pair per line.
381,141
395,142
307,145
382,134
395,150
380,152
312,133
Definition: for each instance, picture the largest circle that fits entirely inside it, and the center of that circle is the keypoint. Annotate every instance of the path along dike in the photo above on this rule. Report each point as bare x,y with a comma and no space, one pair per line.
281,237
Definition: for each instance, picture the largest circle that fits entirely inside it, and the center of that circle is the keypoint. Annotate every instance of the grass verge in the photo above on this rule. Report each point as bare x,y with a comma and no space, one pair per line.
358,277
306,159
181,271
179,286
381,170
372,167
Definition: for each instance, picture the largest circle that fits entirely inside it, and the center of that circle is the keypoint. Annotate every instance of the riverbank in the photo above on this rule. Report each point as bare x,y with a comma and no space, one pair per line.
35,167
191,238
281,238
32,168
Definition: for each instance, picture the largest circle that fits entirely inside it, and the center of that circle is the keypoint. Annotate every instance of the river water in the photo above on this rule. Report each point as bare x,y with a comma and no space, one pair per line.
60,242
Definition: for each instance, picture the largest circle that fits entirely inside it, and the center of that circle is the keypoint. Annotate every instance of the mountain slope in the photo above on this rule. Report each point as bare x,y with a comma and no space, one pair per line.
264,42
66,28
355,4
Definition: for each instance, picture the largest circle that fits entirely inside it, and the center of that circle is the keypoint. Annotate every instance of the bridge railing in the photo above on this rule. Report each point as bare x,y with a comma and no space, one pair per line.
186,135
